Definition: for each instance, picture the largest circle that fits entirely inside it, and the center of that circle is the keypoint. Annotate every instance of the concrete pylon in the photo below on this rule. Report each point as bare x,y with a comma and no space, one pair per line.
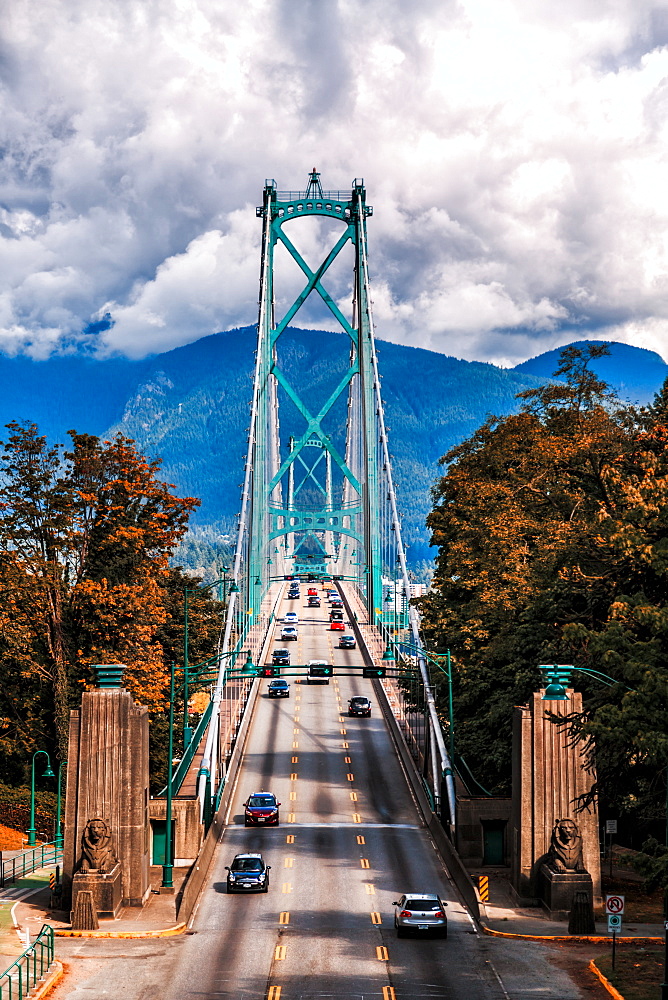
108,781
548,777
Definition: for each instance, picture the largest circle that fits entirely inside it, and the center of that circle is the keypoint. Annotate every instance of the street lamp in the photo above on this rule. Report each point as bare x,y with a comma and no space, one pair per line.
448,673
59,835
48,773
247,670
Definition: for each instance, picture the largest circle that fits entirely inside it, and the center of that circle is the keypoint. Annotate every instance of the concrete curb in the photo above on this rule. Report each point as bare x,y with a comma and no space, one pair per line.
54,976
577,938
163,932
604,982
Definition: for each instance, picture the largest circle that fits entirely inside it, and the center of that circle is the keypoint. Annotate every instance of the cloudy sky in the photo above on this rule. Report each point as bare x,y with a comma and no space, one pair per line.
514,152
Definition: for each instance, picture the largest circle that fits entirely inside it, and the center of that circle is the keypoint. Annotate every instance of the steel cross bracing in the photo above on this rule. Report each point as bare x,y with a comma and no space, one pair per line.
320,504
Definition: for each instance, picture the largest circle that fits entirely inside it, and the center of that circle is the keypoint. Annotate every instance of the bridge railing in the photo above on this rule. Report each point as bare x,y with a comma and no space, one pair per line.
29,861
17,982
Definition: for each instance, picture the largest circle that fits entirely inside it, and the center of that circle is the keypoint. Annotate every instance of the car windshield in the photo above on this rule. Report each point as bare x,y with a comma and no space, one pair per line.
422,905
358,701
279,684
260,801
247,865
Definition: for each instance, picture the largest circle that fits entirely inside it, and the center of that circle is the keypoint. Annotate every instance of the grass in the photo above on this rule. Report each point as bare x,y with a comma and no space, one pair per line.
638,971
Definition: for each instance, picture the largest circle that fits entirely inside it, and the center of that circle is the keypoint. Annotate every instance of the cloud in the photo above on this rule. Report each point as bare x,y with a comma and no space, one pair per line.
514,154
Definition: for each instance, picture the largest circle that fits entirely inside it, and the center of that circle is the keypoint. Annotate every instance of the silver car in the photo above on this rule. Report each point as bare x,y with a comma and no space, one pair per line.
420,912
289,632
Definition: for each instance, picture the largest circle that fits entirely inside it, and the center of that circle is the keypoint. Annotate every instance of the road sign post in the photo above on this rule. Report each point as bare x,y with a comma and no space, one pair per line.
614,907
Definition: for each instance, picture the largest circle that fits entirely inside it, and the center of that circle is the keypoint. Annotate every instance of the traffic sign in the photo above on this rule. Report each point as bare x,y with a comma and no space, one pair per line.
614,905
611,826
614,923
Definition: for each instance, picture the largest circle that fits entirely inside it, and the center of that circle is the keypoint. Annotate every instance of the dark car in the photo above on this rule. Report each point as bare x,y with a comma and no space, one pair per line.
293,594
336,615
359,706
279,689
347,642
314,602
261,809
248,873
281,657
336,603
422,912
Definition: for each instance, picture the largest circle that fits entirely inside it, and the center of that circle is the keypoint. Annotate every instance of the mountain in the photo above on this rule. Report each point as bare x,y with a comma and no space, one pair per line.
633,372
190,406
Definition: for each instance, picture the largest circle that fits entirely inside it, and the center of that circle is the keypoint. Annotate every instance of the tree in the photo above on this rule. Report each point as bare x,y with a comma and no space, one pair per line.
550,526
85,541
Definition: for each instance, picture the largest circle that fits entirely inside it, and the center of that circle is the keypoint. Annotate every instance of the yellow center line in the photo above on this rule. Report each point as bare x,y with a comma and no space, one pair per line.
279,953
342,731
370,888
360,839
295,745
376,917
365,863
295,760
289,863
293,776
290,839
293,796
388,993
351,776
275,993
291,817
345,746
353,796
284,917
357,818
347,760
286,888
381,953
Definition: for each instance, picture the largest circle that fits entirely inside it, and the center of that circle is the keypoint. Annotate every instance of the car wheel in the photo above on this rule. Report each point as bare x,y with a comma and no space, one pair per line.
266,888
246,823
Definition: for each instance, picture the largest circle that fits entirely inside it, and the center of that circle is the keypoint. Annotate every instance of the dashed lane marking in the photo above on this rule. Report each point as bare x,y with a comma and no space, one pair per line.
286,888
370,888
376,917
284,917
290,839
351,776
353,796
382,953
360,839
279,952
365,863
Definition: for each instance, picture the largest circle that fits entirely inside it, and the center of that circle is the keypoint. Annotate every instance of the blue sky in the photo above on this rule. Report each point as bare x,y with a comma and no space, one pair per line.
514,153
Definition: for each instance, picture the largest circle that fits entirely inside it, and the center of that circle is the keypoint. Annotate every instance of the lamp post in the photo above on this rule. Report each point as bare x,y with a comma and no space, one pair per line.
187,729
48,773
448,673
59,835
248,669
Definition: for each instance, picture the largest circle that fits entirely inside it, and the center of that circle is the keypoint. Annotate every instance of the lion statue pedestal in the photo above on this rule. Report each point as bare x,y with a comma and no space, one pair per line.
99,877
562,874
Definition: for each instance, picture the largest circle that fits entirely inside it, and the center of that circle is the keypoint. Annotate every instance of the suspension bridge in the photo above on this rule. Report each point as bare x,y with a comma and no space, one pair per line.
317,504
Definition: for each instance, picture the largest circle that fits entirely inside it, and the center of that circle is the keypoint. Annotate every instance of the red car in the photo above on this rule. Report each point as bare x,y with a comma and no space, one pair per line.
312,592
337,626
261,809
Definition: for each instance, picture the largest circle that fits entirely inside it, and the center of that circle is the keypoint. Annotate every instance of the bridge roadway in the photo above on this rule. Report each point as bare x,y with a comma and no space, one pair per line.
350,842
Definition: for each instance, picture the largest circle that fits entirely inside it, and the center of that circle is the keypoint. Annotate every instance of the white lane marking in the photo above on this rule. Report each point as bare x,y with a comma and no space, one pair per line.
499,980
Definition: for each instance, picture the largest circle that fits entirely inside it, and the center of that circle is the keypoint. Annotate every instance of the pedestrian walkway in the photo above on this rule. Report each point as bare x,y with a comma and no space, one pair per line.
502,915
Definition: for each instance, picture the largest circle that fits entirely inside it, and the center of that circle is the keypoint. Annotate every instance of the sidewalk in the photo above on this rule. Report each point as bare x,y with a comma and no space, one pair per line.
25,906
502,916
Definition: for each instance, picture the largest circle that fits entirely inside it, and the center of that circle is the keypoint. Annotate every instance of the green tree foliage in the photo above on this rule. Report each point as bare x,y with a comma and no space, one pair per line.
85,541
551,529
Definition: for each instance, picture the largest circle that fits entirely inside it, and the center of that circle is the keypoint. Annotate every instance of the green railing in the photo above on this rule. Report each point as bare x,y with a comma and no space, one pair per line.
23,975
30,861
187,759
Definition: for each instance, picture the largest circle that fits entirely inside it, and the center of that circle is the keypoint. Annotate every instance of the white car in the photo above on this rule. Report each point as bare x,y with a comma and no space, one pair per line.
289,632
291,618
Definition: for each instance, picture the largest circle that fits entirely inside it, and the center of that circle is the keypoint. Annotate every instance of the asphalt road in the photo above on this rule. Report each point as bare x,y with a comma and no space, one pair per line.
348,844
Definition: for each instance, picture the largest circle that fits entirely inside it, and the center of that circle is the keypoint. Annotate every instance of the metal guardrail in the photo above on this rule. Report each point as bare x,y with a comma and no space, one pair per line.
187,759
23,975
29,861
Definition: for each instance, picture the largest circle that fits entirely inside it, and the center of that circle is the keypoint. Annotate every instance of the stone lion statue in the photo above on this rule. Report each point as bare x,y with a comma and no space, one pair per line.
565,853
99,854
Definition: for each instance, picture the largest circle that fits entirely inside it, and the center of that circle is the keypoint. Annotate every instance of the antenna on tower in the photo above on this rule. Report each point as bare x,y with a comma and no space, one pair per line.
314,188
